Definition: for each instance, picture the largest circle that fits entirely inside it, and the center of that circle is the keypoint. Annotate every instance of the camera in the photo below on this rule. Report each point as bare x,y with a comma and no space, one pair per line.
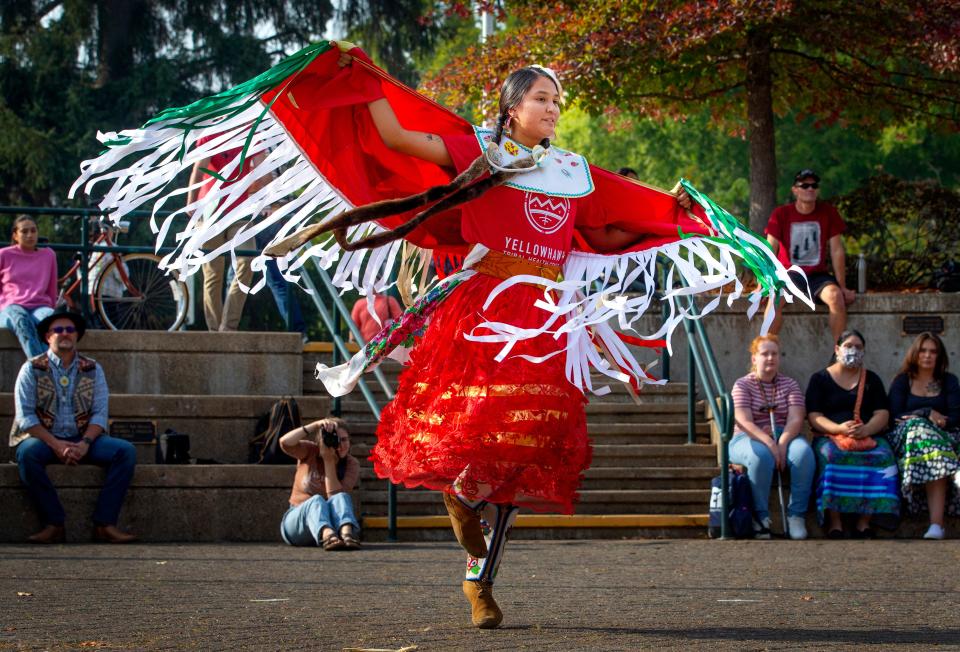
330,437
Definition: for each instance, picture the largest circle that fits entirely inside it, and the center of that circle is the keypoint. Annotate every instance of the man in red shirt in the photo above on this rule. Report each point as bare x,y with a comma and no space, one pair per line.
809,230
223,315
387,309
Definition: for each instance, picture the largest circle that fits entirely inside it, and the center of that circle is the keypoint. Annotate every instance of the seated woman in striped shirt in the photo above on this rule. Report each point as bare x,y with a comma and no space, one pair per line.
769,411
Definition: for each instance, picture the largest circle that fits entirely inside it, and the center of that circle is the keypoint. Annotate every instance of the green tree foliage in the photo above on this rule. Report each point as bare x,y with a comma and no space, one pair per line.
396,33
69,68
746,61
906,230
718,162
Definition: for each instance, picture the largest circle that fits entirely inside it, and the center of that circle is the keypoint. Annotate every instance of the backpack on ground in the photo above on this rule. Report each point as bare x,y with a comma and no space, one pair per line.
739,502
173,448
284,416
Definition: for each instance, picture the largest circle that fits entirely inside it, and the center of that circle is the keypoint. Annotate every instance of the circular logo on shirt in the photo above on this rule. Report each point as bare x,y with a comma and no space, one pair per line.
546,214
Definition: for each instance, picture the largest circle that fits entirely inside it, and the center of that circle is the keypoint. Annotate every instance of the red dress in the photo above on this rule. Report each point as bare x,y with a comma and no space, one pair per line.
515,425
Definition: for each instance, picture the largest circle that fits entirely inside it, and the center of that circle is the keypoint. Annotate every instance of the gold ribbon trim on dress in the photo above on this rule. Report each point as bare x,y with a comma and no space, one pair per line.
504,266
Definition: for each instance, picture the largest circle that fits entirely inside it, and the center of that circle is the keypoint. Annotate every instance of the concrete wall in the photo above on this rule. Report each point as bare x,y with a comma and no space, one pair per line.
165,503
220,427
806,341
208,364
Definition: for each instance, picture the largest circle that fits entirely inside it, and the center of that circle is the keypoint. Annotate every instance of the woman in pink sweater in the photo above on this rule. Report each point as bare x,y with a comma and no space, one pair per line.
28,285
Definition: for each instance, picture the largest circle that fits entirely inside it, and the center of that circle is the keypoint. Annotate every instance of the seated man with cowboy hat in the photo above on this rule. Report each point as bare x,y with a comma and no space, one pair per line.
61,401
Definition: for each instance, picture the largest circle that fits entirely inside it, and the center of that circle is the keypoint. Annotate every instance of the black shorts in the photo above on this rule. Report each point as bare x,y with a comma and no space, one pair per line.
816,280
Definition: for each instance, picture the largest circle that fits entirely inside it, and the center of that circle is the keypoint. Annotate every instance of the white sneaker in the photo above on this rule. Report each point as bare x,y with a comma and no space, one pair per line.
761,530
934,532
798,527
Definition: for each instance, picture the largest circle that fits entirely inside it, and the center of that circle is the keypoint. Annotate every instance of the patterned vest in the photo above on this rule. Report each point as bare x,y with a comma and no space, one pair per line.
47,396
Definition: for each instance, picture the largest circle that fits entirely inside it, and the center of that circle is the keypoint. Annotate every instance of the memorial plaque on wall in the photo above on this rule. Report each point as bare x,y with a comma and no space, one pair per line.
139,432
916,324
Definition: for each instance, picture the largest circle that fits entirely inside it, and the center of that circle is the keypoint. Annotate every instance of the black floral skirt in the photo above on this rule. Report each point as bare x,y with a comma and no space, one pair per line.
926,453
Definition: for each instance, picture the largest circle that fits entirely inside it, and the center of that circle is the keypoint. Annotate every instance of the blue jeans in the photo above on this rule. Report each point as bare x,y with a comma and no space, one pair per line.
283,295
302,525
117,455
23,322
760,467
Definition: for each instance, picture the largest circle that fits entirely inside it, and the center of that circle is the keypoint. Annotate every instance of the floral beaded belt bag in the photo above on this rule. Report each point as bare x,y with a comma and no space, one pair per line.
847,443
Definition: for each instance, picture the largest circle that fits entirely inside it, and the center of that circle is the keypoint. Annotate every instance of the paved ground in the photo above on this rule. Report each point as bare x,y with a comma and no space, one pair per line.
576,595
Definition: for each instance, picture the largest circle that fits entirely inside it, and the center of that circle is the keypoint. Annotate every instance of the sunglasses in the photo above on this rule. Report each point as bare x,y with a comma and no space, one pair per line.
60,330
813,185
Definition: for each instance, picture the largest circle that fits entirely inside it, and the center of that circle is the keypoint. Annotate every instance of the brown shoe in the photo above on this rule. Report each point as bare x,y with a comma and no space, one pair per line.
484,610
49,534
466,526
112,534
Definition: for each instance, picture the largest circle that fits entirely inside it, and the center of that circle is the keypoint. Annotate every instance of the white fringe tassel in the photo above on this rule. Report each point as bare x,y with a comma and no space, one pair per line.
299,190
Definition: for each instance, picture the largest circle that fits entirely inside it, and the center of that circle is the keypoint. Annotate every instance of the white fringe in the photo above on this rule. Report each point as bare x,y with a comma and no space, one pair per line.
594,291
295,185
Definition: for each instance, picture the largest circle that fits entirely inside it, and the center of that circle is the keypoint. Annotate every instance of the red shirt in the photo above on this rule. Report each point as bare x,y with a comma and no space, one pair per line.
804,238
386,308
526,224
216,163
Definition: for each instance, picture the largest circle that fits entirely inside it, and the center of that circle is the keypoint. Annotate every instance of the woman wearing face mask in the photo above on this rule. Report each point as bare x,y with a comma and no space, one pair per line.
847,410
759,397
925,403
28,285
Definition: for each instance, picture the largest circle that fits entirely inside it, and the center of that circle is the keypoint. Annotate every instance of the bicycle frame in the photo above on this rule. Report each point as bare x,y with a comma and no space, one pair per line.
67,291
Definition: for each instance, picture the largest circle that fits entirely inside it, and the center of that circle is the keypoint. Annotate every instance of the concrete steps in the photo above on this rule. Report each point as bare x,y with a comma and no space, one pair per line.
642,468
417,502
165,503
645,480
614,477
220,427
183,363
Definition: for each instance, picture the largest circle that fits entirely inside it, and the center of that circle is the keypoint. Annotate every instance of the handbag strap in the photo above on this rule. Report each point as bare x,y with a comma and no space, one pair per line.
860,385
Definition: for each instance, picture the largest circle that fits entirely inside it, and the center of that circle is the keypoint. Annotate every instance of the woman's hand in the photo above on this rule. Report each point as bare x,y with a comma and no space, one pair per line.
328,454
778,457
344,47
937,419
852,428
782,446
684,199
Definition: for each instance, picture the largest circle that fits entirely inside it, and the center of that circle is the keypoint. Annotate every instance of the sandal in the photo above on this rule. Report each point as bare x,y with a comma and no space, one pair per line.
835,534
333,542
350,542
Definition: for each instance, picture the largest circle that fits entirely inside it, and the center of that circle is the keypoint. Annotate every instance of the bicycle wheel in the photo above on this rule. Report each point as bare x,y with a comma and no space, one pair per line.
141,296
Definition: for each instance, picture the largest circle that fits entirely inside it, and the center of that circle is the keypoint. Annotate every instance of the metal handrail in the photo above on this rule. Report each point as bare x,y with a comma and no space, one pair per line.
702,362
331,323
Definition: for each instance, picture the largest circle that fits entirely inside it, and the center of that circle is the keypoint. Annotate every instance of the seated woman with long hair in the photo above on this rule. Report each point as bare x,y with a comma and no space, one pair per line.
762,396
321,509
925,404
28,285
847,410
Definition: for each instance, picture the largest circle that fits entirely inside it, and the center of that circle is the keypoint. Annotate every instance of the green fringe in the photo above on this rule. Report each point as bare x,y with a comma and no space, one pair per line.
759,259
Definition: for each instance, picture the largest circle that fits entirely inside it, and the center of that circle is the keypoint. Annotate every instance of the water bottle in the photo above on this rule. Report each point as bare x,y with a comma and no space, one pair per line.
861,274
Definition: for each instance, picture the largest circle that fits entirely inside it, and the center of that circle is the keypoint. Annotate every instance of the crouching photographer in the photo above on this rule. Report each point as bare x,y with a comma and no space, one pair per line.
321,510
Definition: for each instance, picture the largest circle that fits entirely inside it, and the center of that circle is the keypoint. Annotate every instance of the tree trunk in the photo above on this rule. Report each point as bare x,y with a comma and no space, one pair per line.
114,39
760,132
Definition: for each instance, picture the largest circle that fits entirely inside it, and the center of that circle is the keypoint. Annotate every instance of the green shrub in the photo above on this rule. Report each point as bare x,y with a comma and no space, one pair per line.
906,229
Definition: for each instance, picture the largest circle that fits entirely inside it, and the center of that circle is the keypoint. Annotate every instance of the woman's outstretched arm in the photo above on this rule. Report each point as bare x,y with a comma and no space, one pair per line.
422,145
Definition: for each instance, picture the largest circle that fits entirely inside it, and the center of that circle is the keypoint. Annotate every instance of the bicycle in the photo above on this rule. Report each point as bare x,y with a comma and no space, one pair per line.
129,291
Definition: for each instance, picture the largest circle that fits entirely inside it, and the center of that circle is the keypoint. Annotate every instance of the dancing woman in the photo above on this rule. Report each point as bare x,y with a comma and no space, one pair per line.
549,244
